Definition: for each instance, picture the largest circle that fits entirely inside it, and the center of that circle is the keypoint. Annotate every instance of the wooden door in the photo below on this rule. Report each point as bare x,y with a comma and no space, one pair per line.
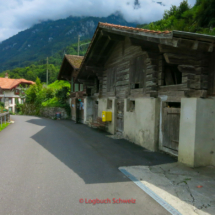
120,117
95,111
171,125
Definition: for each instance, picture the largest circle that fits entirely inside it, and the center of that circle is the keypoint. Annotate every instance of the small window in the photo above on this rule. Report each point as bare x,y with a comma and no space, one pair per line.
136,86
81,87
76,87
172,76
10,101
109,104
10,109
131,106
17,91
173,104
96,102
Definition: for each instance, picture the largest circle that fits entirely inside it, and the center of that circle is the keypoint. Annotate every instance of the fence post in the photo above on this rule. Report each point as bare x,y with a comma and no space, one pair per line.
1,121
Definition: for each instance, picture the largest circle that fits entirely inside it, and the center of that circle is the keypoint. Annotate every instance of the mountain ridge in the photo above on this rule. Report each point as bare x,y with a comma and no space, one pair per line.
48,37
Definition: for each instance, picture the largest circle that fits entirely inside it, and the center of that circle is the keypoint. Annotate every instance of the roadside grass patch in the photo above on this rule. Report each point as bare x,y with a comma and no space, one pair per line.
4,125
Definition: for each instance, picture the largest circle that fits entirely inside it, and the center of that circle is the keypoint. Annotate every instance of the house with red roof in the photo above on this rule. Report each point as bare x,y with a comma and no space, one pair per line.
10,91
156,89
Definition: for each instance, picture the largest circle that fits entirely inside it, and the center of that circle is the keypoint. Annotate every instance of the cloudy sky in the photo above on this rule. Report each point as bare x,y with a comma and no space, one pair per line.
18,15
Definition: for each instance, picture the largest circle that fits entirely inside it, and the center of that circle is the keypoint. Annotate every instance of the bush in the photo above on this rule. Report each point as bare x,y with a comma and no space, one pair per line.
1,104
53,95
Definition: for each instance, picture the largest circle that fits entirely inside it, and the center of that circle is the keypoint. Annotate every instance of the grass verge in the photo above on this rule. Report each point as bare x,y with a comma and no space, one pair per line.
4,125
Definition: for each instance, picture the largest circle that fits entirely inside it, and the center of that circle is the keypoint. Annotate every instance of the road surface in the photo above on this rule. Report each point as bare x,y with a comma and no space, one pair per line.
47,166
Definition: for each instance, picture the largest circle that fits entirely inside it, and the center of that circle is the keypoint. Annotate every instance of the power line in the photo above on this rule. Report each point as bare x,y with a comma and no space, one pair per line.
81,44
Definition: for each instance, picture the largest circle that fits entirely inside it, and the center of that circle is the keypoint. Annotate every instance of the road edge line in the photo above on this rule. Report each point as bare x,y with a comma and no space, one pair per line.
153,195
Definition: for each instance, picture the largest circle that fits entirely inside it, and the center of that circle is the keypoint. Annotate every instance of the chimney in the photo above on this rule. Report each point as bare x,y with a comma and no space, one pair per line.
6,75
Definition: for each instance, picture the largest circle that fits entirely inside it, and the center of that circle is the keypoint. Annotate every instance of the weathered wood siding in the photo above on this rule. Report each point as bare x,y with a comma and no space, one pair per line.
115,80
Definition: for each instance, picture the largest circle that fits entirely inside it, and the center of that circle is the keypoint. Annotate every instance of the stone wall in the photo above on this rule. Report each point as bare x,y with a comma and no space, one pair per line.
50,112
29,109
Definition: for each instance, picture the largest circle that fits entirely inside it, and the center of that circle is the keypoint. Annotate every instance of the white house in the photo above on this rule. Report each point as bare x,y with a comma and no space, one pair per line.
10,91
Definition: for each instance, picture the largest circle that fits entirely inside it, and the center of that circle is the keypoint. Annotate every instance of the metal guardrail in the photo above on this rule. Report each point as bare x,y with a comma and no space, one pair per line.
4,117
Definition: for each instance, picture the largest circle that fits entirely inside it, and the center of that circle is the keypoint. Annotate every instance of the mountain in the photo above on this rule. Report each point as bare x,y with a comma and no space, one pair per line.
39,68
48,37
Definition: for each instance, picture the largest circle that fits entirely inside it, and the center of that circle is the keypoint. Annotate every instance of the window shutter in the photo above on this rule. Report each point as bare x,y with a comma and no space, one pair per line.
137,72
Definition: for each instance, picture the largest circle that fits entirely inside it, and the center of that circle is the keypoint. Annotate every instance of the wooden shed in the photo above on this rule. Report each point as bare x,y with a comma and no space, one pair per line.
145,78
68,72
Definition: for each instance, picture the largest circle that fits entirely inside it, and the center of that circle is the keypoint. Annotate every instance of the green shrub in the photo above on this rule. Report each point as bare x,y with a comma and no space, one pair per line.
1,104
53,95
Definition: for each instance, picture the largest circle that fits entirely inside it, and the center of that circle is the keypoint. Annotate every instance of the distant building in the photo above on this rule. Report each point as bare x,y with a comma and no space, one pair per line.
10,91
68,72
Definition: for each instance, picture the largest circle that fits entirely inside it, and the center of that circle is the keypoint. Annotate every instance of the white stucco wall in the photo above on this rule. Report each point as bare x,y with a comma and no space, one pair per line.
142,125
102,106
197,132
10,94
88,110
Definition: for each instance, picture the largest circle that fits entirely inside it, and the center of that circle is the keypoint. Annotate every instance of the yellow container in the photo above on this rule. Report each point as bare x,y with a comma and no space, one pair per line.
106,116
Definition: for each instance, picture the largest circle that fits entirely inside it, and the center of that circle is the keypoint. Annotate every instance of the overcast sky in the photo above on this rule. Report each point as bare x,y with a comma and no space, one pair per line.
18,15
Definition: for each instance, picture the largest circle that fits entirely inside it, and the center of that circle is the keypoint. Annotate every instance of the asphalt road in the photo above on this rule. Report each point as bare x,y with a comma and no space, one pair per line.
47,166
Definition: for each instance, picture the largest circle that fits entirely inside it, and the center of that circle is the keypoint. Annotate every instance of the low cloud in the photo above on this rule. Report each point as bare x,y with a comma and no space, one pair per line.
18,15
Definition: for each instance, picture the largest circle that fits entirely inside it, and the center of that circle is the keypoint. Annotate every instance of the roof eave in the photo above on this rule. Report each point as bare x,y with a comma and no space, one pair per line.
196,36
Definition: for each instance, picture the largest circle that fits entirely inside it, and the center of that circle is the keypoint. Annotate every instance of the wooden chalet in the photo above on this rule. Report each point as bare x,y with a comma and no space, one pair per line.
159,86
68,72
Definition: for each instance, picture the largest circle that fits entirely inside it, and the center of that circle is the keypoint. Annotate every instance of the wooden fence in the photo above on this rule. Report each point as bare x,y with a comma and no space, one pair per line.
4,117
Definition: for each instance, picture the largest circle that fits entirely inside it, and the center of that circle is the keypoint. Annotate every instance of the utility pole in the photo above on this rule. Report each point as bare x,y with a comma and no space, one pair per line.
78,44
47,72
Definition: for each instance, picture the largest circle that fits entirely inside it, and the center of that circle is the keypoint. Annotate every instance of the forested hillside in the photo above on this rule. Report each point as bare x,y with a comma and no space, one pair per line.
48,37
199,19
38,68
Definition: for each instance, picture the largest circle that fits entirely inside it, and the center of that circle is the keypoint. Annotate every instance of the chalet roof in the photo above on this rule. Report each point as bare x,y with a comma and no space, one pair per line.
108,29
108,35
74,60
111,26
69,66
8,83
